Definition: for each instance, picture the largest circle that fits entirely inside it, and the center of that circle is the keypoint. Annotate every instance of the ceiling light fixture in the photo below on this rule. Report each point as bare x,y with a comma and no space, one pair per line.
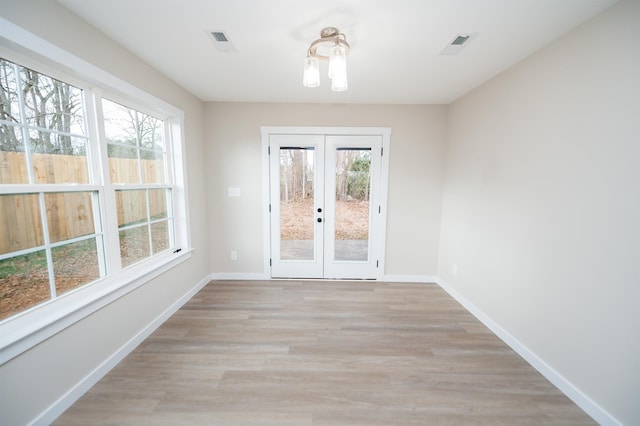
331,45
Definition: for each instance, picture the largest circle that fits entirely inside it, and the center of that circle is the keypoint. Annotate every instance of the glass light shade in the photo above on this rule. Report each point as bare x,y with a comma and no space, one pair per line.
338,62
311,77
339,84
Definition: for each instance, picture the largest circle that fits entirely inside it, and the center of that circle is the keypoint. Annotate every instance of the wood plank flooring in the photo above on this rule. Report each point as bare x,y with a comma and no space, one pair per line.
323,353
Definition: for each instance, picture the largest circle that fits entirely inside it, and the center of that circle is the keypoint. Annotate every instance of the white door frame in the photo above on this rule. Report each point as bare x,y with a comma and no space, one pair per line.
384,132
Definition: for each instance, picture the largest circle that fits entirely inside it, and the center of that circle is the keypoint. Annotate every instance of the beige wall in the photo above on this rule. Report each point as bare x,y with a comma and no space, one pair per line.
542,206
234,159
33,381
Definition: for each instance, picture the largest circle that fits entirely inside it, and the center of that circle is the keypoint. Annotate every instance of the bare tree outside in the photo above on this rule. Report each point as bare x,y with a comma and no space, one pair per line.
130,132
52,110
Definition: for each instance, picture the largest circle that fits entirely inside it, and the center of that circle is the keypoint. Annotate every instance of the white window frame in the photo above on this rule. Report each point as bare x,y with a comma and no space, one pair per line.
24,330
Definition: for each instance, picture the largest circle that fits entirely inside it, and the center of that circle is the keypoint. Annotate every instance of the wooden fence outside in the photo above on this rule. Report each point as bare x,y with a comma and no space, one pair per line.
69,214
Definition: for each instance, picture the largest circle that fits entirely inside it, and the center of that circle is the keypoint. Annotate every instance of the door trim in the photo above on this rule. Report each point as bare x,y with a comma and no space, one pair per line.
384,132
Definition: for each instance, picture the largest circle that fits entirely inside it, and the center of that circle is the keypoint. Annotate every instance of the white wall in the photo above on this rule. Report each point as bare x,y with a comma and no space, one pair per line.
415,178
30,383
541,209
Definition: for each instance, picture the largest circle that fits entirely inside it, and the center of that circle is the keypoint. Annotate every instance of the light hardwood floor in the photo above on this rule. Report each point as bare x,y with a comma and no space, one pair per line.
323,353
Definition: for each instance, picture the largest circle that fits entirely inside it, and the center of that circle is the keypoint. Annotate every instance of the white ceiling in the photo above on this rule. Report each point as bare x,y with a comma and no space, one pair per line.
395,45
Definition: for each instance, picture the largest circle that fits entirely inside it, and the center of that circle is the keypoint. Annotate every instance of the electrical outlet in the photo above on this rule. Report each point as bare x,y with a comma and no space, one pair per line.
234,255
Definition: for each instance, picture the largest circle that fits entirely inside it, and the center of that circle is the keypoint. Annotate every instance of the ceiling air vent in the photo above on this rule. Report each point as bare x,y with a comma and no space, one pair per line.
220,37
222,41
461,39
457,43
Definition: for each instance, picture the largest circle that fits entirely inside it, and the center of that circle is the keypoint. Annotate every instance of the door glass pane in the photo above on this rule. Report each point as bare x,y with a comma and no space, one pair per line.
353,188
297,203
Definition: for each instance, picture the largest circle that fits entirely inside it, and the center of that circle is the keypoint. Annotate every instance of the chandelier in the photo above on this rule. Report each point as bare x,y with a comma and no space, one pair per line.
331,45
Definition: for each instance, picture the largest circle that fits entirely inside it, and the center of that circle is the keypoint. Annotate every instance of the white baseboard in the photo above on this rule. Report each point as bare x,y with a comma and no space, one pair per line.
409,278
234,276
231,276
599,414
64,402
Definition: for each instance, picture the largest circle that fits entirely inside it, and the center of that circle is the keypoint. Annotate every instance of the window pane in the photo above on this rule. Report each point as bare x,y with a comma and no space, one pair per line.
151,131
132,207
9,107
58,158
13,160
119,124
24,282
52,104
59,169
20,223
123,164
45,142
75,264
137,137
134,245
152,166
160,236
158,203
69,215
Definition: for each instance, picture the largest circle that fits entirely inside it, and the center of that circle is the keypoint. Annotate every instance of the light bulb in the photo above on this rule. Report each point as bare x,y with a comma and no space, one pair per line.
339,84
311,77
338,62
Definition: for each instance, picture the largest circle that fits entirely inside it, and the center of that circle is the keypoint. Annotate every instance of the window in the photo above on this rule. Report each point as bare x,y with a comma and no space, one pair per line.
91,190
137,157
51,238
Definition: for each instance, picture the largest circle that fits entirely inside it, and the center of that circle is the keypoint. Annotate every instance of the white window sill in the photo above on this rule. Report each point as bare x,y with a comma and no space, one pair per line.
25,330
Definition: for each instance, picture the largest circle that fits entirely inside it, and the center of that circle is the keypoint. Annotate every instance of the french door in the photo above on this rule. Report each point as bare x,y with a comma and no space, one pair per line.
325,205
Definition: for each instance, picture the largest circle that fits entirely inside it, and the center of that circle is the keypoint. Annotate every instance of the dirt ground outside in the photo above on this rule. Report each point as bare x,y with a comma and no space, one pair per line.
298,220
29,284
